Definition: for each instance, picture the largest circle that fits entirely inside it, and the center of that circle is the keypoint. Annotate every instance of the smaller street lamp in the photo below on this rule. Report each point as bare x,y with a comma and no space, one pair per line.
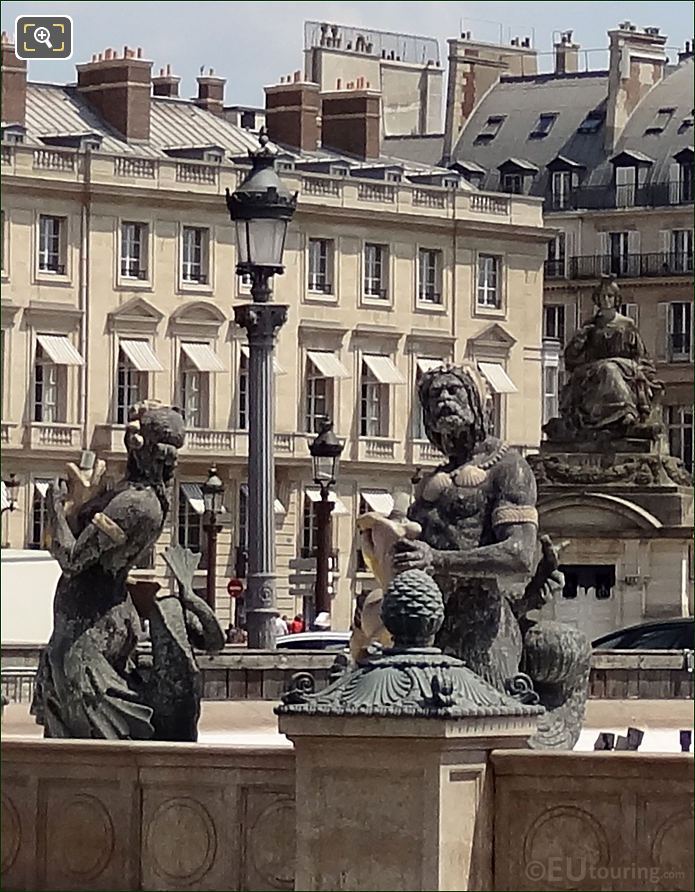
325,457
213,495
11,489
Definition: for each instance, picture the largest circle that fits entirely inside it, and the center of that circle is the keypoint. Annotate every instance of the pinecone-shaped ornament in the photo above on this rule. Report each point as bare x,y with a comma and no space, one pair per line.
413,609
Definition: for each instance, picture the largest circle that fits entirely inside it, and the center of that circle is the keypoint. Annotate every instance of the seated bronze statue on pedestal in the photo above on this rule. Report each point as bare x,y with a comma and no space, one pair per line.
612,389
479,540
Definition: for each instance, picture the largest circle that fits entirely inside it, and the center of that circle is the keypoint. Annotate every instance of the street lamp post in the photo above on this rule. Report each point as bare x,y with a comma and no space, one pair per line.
325,456
261,209
213,496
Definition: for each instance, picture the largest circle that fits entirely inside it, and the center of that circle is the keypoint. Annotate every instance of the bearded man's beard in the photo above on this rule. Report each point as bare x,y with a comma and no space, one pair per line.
456,433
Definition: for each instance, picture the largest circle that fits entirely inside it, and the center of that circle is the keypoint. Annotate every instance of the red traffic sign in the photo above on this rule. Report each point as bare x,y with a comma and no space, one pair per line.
235,588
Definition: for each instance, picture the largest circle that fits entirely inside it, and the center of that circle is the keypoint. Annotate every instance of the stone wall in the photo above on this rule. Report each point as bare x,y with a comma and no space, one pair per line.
619,821
132,816
238,674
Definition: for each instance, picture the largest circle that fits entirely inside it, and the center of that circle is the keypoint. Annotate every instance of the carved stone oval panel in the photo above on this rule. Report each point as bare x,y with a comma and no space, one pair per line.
86,819
274,862
181,840
671,841
562,846
11,833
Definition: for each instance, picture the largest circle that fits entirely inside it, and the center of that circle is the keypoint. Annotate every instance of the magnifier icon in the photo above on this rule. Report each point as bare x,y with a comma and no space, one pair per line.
43,35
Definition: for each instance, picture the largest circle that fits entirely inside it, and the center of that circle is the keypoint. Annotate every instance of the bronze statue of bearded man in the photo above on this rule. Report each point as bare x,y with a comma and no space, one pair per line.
479,540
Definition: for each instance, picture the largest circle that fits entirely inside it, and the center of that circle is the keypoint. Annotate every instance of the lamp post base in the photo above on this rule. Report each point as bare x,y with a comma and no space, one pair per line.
261,611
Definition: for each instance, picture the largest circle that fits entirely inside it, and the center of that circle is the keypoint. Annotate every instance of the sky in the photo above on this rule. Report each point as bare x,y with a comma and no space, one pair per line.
254,44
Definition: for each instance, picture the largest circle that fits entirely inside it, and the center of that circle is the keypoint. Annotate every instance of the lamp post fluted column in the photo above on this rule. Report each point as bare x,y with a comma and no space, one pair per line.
262,321
323,508
261,208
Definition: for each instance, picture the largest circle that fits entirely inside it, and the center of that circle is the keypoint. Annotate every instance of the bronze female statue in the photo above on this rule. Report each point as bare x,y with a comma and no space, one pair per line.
612,385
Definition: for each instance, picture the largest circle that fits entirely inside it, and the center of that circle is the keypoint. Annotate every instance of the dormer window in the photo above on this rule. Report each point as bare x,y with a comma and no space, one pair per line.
515,175
661,120
630,173
491,129
592,122
13,134
544,125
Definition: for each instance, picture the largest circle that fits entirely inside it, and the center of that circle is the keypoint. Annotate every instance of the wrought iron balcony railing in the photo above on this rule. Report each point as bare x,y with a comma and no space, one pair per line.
654,195
631,266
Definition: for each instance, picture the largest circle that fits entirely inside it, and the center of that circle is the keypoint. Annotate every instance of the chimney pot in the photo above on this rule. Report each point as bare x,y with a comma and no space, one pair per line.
138,55
352,123
168,68
297,76
292,111
338,83
119,93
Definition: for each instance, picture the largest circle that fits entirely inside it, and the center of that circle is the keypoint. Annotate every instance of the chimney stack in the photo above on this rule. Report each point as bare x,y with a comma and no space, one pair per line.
14,84
474,68
637,62
211,92
687,51
566,54
166,84
119,88
351,122
291,114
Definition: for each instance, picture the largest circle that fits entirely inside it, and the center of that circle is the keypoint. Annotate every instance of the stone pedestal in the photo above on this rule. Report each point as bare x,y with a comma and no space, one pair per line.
396,803
626,505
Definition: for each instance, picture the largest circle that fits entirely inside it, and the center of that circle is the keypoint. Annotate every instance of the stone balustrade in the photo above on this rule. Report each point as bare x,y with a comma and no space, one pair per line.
50,159
347,192
195,172
142,168
490,204
54,435
376,448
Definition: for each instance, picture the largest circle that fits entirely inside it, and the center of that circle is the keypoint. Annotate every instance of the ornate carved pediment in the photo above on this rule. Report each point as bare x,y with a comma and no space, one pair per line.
135,315
494,340
197,318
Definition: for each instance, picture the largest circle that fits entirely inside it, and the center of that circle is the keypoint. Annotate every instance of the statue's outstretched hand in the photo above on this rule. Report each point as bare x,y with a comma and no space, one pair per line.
548,579
412,554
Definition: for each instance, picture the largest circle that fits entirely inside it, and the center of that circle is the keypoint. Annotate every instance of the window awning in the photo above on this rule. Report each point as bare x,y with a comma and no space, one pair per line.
142,356
41,487
194,496
4,497
203,357
60,350
427,365
278,508
497,378
314,495
277,368
378,500
328,364
383,369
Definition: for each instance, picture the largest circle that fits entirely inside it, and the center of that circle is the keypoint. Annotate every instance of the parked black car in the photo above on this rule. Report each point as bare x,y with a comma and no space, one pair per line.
665,634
